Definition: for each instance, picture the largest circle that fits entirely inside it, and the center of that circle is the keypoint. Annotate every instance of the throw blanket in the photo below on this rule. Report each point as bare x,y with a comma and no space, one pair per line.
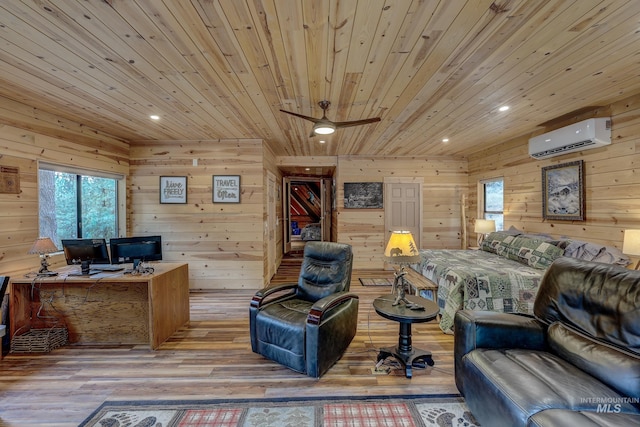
478,280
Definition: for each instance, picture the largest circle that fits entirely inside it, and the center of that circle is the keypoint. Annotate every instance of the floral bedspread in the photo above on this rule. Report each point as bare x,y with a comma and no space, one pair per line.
478,280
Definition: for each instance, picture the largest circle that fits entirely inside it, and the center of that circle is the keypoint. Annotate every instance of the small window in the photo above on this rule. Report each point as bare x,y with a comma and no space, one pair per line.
77,204
492,198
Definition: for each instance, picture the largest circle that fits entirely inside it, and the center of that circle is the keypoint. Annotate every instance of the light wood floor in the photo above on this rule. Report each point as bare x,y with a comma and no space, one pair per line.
211,358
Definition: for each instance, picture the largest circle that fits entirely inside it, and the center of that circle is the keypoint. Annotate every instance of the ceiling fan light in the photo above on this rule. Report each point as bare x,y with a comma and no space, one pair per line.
324,128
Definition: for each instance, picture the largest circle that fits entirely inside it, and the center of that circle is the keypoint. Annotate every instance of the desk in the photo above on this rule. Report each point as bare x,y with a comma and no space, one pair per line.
404,352
110,308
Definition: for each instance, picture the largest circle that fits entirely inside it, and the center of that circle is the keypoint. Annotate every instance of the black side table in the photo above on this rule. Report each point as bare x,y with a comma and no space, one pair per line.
404,352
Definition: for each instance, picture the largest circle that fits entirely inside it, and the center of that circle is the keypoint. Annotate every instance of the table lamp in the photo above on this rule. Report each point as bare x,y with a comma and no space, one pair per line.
43,246
484,227
401,250
631,244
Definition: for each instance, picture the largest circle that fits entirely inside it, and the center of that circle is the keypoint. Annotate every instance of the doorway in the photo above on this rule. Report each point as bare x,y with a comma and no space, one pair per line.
307,211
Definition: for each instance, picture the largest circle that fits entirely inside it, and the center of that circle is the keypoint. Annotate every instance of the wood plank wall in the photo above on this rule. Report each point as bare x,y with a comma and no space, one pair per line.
612,180
271,165
26,136
445,180
222,242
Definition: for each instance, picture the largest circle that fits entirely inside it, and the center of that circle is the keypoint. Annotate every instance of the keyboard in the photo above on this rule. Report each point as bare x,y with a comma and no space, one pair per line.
106,267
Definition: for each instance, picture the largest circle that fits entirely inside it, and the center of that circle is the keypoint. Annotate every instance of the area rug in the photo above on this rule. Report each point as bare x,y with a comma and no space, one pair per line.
383,281
379,411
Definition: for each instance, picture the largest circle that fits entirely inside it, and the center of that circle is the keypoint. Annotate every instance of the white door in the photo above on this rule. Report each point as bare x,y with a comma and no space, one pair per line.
402,209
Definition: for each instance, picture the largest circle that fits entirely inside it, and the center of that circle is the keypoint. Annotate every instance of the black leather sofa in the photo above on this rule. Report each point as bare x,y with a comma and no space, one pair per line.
576,362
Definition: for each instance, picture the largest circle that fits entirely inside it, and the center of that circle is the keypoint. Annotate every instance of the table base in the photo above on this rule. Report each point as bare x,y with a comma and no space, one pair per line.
415,357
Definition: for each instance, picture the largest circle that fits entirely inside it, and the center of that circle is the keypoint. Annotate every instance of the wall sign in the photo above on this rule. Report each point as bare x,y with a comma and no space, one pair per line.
226,189
173,189
9,180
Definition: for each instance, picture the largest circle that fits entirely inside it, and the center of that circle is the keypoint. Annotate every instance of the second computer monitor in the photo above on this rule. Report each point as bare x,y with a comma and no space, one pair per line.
128,249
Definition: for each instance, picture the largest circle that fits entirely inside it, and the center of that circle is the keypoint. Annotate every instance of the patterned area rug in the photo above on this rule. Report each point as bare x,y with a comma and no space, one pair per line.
384,281
386,411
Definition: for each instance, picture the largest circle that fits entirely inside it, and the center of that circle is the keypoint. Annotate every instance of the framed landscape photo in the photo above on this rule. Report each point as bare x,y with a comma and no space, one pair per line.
563,192
363,195
226,189
173,189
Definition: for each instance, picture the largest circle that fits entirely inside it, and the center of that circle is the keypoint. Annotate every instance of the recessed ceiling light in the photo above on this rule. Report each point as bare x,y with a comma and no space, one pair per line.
154,117
322,141
504,108
445,139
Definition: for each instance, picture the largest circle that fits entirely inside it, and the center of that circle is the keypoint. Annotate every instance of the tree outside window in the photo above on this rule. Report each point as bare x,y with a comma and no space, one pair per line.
74,205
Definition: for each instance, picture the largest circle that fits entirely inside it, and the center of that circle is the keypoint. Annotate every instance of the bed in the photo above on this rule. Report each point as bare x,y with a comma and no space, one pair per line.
311,232
503,275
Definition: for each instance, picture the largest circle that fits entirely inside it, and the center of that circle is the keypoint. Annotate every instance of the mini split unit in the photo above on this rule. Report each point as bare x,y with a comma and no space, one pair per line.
583,135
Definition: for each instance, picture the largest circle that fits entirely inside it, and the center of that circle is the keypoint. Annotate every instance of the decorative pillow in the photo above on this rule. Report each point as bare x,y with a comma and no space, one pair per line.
532,252
496,239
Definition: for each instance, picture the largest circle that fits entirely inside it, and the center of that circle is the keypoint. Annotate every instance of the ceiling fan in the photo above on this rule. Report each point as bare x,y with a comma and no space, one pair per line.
324,126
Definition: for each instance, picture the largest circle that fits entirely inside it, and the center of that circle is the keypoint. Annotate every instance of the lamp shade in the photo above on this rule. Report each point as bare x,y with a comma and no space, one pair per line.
484,226
401,248
631,242
42,246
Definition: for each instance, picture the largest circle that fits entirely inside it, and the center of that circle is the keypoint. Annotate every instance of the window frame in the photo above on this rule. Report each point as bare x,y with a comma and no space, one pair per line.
482,208
121,186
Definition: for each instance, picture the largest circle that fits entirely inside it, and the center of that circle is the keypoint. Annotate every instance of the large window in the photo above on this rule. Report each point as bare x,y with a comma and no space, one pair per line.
77,204
493,200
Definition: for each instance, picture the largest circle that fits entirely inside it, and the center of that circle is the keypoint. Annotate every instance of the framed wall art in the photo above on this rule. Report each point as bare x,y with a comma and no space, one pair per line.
173,189
563,196
226,189
363,195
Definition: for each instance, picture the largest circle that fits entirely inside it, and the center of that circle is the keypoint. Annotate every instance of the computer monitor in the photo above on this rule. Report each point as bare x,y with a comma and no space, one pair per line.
128,249
92,250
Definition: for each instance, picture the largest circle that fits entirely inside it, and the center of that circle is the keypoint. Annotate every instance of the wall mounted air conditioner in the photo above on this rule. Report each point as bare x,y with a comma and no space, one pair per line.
583,135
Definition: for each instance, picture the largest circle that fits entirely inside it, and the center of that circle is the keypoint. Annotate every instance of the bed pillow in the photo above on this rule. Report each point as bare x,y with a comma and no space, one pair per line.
594,252
535,253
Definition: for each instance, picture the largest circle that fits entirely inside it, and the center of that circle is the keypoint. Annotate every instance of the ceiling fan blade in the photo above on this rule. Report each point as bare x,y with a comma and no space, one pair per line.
311,119
356,122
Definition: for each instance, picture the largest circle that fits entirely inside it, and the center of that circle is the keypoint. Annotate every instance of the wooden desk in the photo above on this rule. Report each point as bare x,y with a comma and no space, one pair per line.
111,308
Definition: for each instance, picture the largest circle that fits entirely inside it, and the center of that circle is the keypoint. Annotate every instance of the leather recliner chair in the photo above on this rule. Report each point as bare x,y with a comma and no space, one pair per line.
308,325
575,363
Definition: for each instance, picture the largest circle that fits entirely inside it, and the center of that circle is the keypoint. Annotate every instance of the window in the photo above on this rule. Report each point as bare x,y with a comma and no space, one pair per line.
77,204
492,196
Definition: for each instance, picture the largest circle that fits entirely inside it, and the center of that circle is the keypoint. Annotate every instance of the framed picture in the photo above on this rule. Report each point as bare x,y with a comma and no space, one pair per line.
226,189
363,195
173,189
563,192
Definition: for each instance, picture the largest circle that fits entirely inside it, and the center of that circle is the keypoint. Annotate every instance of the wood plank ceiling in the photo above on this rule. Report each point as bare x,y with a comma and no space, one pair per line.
224,68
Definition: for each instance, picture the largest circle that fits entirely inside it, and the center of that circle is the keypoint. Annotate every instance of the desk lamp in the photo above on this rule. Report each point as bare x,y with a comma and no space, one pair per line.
401,250
631,244
43,246
484,227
